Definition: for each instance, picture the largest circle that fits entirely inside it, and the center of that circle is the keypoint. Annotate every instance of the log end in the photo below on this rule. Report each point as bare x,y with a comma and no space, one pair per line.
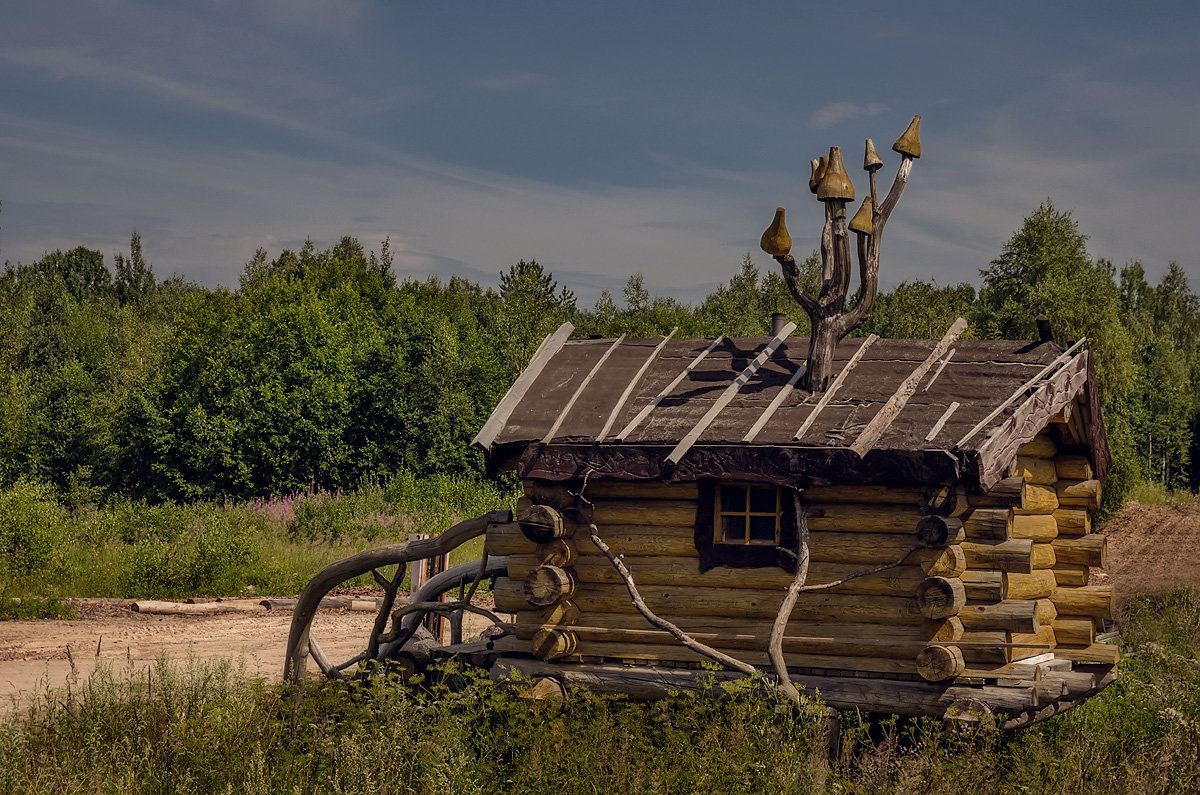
941,597
541,523
938,662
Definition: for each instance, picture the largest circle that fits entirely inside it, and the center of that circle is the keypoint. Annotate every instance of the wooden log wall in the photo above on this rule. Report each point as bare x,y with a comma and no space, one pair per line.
571,604
1002,577
1028,563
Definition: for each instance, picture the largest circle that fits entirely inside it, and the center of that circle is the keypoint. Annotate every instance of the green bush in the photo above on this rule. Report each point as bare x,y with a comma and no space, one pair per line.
206,557
31,528
30,608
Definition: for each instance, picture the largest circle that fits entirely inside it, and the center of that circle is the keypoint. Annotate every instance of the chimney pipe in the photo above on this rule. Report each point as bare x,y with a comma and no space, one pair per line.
778,321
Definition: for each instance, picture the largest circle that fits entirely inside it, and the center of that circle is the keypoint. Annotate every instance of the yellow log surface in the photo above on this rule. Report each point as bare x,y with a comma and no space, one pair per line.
1068,575
1038,584
1073,467
684,572
670,602
1038,471
1043,556
1079,493
1041,446
1040,528
1073,521
1038,500
1091,600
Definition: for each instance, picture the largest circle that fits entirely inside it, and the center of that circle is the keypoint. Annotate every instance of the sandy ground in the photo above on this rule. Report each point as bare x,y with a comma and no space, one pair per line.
1150,547
34,654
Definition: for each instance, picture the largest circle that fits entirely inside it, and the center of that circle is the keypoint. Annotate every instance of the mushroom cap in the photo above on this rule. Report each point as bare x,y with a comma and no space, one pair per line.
864,220
871,159
836,184
776,241
910,143
819,164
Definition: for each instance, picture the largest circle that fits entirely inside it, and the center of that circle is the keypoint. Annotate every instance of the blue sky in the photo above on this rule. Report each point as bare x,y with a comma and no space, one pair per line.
602,139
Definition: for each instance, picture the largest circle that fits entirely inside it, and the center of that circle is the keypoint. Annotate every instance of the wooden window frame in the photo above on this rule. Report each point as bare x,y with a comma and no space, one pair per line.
715,551
747,514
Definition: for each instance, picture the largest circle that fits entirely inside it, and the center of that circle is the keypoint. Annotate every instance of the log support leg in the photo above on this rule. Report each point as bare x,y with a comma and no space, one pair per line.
966,715
831,734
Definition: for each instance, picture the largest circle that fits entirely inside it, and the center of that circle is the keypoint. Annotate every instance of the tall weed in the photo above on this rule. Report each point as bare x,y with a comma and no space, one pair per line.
206,729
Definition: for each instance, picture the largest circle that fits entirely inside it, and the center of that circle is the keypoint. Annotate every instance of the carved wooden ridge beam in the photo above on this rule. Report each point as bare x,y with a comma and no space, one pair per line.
830,323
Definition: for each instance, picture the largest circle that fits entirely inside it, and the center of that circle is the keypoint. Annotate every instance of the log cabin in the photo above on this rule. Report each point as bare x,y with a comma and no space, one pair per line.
919,530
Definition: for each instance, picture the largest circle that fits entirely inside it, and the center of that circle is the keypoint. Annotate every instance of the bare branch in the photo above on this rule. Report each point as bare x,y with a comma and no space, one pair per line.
775,644
884,210
444,608
827,263
791,276
389,598
869,266
640,604
825,586
323,662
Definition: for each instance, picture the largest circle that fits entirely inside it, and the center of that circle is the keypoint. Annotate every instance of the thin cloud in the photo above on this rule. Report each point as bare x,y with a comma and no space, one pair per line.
511,81
836,113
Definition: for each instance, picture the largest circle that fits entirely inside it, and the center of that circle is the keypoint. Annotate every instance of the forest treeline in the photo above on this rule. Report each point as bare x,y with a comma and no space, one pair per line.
323,369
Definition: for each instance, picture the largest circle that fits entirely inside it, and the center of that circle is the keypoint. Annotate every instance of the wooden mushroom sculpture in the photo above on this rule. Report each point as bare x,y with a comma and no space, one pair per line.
829,321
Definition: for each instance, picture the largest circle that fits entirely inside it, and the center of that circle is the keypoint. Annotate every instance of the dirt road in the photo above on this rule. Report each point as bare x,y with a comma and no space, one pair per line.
1151,548
34,654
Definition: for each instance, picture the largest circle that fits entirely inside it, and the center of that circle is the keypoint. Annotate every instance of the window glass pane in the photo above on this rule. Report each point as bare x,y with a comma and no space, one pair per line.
762,500
733,498
733,528
762,528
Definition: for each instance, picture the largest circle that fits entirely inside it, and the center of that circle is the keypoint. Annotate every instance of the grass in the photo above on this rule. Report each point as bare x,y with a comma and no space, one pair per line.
1157,494
206,728
134,550
12,609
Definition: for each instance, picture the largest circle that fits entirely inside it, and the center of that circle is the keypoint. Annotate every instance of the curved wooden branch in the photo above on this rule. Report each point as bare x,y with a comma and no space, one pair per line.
775,643
322,660
441,583
797,587
648,614
825,586
336,573
869,266
442,608
390,587
791,277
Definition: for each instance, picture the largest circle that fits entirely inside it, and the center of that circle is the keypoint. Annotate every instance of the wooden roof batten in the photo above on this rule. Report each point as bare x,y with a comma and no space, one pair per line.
884,418
1015,396
612,416
730,391
562,415
667,390
550,346
833,388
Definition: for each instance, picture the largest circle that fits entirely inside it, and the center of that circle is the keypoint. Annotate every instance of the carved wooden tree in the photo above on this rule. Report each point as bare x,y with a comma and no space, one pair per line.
827,312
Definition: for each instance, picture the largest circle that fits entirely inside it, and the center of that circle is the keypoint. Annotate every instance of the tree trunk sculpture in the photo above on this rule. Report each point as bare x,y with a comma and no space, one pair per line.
830,322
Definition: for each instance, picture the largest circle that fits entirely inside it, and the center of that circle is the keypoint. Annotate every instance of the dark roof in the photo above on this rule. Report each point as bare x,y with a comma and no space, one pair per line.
978,375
